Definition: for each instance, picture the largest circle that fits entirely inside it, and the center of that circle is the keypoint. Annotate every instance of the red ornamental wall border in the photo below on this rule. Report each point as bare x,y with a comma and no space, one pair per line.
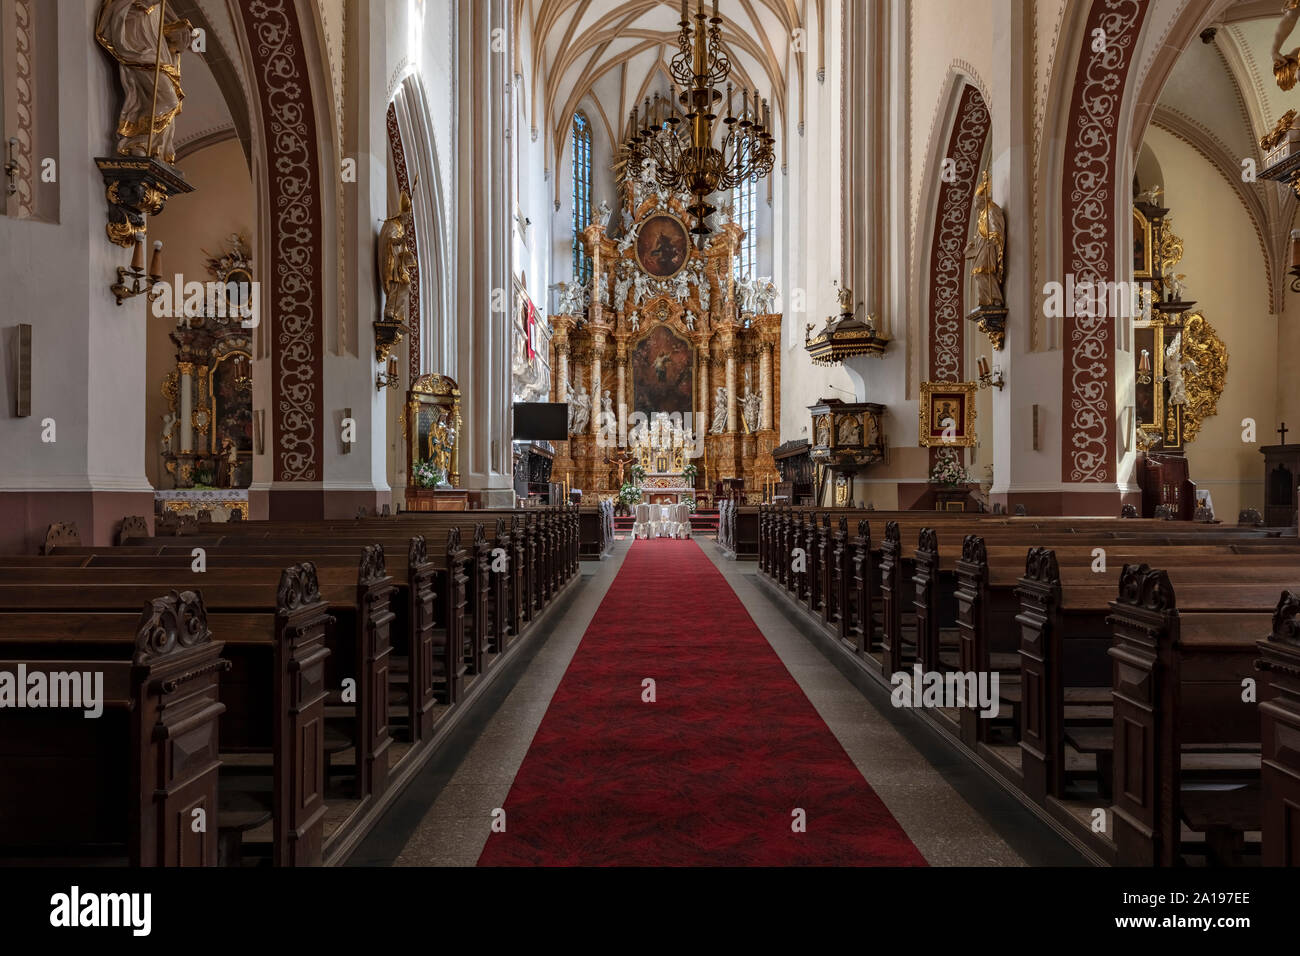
294,178
1089,187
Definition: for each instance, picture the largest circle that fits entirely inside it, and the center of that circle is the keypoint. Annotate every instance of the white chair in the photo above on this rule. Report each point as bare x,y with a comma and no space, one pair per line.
641,527
683,520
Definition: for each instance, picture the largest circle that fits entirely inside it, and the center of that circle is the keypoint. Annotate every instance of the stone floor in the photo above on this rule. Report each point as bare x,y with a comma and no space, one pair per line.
953,812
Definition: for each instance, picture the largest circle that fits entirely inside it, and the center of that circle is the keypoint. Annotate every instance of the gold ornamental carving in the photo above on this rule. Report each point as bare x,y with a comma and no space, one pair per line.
1202,345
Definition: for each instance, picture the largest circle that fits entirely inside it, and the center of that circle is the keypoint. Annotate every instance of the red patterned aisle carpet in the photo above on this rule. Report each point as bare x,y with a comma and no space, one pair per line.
708,775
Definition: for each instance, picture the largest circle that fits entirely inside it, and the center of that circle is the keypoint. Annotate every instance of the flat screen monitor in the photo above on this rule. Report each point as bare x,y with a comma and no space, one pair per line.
541,421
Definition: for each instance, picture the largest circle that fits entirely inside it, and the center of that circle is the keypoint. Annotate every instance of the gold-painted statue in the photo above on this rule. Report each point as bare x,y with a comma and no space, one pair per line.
986,249
396,264
149,67
1286,65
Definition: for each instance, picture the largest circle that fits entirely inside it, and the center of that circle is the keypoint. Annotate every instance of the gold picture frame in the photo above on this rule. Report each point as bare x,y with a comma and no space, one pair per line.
944,402
1143,253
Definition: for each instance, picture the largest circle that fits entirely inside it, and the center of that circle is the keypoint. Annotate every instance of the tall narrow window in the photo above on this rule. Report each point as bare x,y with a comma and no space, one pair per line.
744,197
581,194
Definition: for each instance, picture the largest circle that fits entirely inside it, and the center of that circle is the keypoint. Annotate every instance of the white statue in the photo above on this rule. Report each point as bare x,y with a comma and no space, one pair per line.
634,320
689,319
706,295
765,294
1177,369
1151,195
169,425
746,293
751,404
682,285
579,411
719,412
607,411
625,244
1175,283
640,287
621,287
603,212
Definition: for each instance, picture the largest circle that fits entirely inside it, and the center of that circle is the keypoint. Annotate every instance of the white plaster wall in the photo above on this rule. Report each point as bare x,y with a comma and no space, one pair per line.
88,354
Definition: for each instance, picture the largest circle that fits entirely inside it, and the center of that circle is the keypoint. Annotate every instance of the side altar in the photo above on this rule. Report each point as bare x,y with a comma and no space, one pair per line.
664,331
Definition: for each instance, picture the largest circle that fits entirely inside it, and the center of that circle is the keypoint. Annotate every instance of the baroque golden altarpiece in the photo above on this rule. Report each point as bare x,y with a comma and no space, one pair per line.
665,329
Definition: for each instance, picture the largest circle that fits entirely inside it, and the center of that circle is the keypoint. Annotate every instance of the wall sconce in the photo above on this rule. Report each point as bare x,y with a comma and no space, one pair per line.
141,284
11,168
992,379
1294,271
390,380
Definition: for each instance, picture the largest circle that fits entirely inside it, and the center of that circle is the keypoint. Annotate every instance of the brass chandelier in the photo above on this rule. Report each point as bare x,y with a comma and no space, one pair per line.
680,142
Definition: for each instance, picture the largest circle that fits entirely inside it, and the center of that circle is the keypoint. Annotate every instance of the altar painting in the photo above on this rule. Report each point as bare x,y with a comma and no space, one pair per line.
663,374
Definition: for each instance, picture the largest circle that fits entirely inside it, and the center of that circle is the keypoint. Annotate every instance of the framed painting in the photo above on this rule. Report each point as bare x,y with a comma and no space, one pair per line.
663,247
948,414
1142,251
663,374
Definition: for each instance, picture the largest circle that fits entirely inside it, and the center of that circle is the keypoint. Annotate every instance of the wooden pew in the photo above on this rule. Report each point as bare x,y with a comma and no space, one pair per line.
1279,661
1178,679
273,696
151,756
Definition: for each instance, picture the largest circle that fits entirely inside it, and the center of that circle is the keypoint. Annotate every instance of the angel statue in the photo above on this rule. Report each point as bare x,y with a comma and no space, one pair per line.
1286,66
986,248
1178,368
689,319
169,425
765,296
634,320
149,71
1150,196
396,263
719,412
1174,282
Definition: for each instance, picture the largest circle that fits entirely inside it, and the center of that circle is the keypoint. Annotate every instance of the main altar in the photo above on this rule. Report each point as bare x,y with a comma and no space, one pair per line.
665,337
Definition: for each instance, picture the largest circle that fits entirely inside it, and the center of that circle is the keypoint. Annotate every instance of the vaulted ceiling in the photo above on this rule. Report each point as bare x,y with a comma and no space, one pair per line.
617,53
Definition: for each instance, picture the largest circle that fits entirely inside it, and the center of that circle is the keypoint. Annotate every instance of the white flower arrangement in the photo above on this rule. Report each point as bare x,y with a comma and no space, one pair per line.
948,469
427,474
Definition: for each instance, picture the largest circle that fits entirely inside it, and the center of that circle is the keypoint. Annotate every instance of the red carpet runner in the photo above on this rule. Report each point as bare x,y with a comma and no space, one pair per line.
711,773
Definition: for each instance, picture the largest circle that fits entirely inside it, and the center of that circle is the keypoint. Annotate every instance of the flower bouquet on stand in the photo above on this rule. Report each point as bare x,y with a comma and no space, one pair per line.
948,470
427,474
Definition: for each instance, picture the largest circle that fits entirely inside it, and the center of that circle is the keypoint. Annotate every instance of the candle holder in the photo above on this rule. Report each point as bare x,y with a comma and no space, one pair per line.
391,379
141,283
11,168
991,379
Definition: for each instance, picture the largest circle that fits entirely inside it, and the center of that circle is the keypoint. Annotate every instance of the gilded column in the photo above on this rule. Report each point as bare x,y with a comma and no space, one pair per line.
765,385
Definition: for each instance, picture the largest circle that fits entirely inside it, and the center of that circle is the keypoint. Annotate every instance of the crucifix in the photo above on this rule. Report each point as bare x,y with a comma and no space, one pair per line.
623,460
1282,431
